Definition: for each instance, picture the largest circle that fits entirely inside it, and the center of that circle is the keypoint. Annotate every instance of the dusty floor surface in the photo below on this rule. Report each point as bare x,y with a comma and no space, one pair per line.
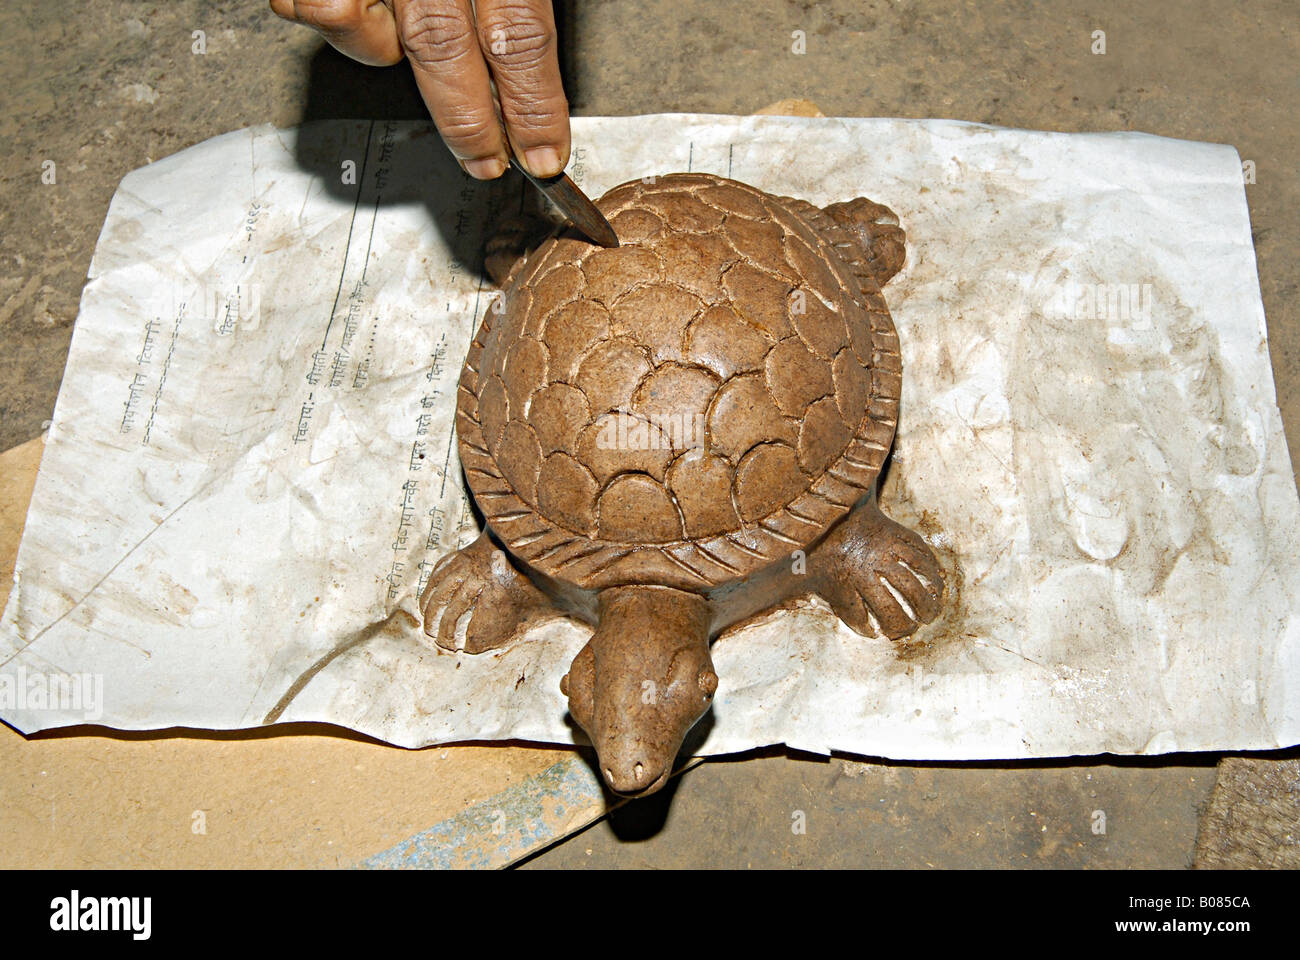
801,810
1251,822
89,92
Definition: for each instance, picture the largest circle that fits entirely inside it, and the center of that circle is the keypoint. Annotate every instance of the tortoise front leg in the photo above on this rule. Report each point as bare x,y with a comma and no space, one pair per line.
479,581
871,568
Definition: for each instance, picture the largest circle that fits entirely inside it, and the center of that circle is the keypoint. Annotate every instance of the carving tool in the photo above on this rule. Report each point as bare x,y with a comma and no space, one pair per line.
574,204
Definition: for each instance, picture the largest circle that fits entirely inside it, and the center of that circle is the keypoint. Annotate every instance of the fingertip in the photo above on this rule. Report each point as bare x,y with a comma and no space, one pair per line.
484,168
544,161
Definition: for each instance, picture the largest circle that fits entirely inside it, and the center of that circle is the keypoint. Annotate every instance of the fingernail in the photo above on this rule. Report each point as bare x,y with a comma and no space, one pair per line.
543,161
488,168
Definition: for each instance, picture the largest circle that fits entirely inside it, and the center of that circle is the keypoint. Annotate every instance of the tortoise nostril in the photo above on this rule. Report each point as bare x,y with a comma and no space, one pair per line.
638,772
708,681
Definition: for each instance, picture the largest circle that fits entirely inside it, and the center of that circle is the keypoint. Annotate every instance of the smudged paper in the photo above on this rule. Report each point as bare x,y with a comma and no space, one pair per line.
251,470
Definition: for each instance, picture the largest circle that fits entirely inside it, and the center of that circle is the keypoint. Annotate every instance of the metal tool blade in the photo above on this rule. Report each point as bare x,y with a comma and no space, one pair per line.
575,205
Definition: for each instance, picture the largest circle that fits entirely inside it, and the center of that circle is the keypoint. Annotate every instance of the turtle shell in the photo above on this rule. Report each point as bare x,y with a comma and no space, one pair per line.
685,408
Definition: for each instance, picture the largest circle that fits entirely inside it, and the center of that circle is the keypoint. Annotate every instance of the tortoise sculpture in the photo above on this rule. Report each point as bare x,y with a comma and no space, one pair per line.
674,435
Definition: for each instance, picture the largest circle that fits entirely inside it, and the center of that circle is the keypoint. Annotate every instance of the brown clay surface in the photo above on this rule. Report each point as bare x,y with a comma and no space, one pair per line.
724,383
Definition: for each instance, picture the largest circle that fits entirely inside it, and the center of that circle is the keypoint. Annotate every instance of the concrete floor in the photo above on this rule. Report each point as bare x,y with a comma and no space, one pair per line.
775,809
100,89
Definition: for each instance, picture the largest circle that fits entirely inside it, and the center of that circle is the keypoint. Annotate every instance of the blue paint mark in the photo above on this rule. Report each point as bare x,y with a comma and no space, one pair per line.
497,831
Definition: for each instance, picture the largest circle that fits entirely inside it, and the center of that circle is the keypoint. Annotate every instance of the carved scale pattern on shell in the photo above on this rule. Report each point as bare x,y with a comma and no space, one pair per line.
748,377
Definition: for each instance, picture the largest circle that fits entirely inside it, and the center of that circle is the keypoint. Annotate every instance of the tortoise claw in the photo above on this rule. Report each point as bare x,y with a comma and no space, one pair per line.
479,582
878,576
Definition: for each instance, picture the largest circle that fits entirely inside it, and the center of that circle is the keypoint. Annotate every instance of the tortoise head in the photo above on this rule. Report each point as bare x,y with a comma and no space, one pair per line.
642,682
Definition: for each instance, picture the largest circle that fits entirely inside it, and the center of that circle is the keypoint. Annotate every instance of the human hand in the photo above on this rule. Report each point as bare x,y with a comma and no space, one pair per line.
457,49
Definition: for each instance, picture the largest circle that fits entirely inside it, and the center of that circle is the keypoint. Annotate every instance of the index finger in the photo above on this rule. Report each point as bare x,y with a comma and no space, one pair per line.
441,42
519,43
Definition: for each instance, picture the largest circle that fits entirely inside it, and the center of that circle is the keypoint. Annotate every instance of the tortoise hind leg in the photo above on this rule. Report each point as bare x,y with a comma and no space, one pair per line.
877,573
479,581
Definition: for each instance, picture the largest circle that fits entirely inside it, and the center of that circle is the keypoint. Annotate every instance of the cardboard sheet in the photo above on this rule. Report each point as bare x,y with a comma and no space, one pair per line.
251,467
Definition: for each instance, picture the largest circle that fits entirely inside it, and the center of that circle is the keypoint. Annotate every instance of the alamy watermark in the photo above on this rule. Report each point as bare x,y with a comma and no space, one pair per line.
76,913
81,693
659,431
1127,302
228,307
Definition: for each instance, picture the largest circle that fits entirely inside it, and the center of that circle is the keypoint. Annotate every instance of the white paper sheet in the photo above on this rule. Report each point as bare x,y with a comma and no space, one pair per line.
251,470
